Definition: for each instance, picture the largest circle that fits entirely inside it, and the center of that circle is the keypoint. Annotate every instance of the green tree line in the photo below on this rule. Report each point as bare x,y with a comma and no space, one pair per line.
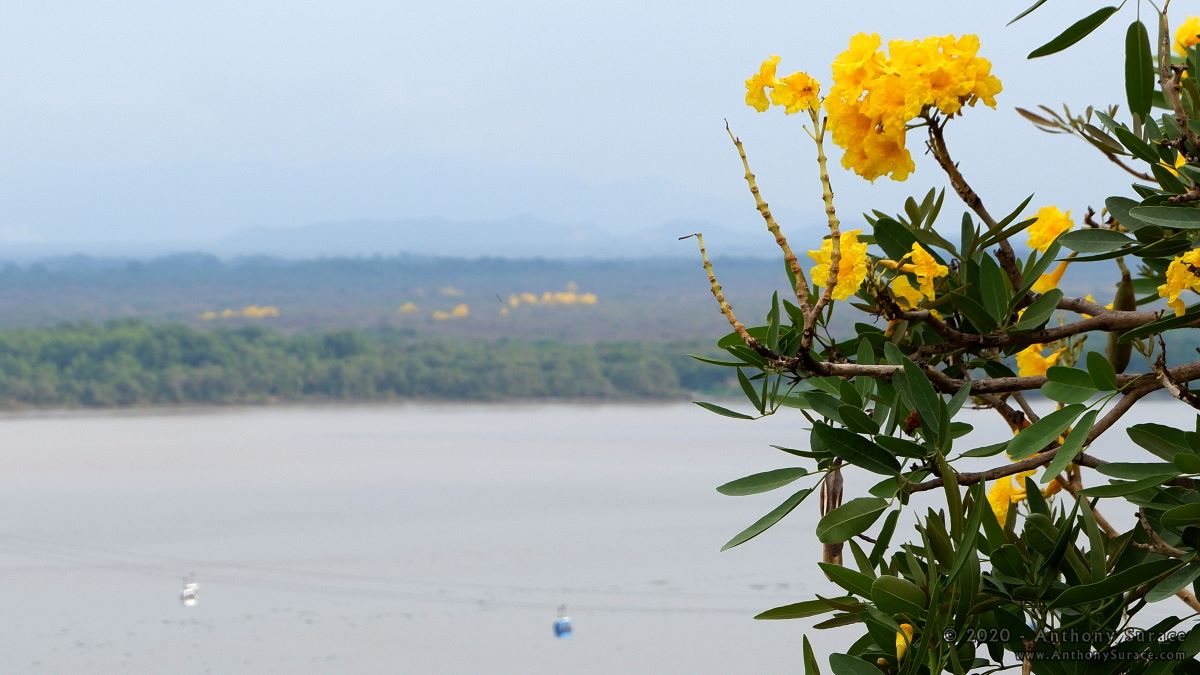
132,363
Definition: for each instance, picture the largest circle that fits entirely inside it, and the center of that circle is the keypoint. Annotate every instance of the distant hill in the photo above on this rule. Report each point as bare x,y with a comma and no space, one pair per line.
647,299
517,237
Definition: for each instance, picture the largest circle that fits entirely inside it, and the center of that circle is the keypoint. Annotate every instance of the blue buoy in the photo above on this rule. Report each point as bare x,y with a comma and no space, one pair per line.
562,625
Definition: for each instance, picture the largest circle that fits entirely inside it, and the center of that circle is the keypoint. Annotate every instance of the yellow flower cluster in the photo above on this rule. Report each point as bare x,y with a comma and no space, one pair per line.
460,311
926,268
1050,223
875,95
570,296
247,312
1182,274
409,308
852,266
1032,363
794,92
1187,35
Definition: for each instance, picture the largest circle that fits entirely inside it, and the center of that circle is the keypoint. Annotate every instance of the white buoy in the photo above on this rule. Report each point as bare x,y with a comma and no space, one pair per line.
189,592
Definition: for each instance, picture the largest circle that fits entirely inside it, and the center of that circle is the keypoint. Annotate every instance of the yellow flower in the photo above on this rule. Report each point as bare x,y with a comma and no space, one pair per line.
1180,160
756,86
906,296
903,639
927,269
1182,274
1187,35
1050,223
852,266
1005,492
874,95
1031,363
1050,279
796,92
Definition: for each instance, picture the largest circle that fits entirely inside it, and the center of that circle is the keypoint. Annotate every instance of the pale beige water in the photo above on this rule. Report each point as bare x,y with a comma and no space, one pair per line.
405,539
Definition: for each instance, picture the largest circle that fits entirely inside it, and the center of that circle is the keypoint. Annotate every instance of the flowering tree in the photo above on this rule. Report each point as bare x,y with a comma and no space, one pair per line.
1018,568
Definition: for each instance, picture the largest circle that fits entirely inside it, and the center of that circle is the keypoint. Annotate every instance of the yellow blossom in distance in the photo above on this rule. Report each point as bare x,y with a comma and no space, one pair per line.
1187,35
852,267
208,315
409,308
797,92
903,639
1050,223
1031,362
758,83
1182,274
1050,279
875,95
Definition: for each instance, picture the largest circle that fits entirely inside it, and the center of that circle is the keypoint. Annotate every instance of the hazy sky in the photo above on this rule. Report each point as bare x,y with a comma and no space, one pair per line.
182,121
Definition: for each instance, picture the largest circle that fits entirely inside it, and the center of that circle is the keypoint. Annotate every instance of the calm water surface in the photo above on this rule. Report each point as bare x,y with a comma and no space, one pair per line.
405,539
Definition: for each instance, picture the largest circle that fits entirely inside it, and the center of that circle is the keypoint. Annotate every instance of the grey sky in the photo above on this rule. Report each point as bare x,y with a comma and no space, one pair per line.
182,121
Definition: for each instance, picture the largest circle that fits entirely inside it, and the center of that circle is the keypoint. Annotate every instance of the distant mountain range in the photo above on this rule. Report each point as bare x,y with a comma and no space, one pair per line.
517,237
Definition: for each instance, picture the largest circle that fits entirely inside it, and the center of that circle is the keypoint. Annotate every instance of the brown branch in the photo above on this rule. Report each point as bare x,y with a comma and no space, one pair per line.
835,233
801,288
937,145
1169,80
1156,542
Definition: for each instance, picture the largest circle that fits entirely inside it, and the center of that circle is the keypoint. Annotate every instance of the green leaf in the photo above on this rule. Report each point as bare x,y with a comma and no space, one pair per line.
810,660
902,447
761,482
1174,217
1068,385
1041,433
1118,583
1182,516
1179,580
919,394
824,404
1136,146
1139,69
895,239
1032,272
748,390
1160,439
1138,470
1191,314
1070,447
854,449
1029,10
853,581
844,664
712,407
1074,33
857,420
975,312
894,595
1119,207
1121,489
1094,240
1039,311
849,519
803,610
1104,376
987,450
994,288
763,524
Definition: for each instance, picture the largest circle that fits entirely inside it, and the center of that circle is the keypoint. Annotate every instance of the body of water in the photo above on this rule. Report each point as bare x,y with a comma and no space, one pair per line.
406,539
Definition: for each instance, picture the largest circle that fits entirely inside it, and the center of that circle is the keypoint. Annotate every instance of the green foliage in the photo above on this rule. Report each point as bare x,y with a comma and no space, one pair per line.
128,363
1014,562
